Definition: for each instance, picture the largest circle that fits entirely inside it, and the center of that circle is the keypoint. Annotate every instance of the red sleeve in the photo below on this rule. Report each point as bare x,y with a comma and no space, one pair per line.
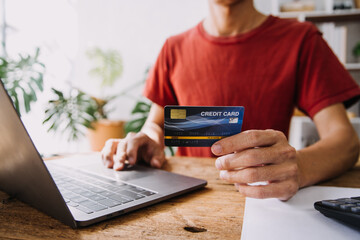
158,87
322,79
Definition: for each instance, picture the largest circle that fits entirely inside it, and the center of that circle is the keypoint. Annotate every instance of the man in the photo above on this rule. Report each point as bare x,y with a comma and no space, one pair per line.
238,56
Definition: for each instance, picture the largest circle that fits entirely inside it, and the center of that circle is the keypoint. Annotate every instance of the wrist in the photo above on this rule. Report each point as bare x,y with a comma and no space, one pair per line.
154,132
301,174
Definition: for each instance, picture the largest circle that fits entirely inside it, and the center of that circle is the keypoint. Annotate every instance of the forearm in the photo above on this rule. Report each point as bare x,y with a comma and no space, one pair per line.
329,157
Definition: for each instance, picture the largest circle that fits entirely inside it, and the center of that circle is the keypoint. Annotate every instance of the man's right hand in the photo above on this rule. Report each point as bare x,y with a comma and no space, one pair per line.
134,147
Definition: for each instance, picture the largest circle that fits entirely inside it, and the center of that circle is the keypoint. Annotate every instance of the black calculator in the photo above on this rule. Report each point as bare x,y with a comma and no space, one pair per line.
346,210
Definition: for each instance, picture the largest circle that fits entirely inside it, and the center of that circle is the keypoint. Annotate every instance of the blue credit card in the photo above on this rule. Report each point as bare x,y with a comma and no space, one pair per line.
200,126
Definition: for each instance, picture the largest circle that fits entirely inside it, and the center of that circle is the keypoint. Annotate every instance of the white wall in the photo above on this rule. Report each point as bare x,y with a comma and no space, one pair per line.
136,28
65,29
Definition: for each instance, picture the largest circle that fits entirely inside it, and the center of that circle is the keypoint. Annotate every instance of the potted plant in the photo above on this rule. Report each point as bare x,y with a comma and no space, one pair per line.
23,79
22,75
77,113
108,68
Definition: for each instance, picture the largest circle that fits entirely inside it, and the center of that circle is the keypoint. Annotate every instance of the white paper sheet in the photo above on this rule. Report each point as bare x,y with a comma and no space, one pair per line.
296,218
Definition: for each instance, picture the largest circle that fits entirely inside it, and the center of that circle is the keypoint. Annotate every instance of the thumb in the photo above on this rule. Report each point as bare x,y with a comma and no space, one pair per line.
158,159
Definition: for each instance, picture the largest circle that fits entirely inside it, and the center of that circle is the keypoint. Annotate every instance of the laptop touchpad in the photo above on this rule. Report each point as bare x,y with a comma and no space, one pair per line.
129,173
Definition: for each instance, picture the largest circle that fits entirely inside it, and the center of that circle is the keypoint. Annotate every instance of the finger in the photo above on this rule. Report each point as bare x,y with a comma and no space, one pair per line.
120,156
281,190
246,140
271,173
134,144
108,152
158,160
255,156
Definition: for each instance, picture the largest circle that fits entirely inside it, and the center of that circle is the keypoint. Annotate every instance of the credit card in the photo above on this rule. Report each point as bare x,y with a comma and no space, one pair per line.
200,126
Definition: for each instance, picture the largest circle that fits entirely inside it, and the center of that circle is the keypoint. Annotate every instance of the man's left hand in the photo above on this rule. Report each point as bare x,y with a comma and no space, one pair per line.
259,156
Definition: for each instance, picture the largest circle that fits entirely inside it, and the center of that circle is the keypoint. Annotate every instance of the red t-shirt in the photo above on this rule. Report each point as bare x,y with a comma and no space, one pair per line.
269,70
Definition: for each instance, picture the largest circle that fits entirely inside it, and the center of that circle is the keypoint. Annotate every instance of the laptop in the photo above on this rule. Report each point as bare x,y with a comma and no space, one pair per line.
79,190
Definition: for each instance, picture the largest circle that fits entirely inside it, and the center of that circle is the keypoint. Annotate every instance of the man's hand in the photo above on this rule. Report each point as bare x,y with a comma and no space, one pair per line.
135,147
259,156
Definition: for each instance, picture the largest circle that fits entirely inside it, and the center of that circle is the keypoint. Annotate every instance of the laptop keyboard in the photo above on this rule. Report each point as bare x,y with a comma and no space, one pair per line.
89,193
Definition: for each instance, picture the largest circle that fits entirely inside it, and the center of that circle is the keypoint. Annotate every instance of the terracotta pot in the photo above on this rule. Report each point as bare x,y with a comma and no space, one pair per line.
103,130
357,3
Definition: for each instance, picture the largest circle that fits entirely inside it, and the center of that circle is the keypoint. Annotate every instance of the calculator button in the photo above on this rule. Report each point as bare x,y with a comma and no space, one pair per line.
331,203
357,198
355,209
347,206
349,200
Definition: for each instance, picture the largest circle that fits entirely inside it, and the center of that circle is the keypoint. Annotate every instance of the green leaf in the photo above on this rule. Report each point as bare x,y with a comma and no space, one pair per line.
171,150
27,100
108,67
39,82
49,117
135,125
141,107
32,93
16,103
59,93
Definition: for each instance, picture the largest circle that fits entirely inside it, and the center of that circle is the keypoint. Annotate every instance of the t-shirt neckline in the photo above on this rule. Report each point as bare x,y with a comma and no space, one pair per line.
234,39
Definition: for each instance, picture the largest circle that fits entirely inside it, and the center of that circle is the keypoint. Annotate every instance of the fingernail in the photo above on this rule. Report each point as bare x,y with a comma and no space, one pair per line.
108,164
218,164
131,160
222,174
216,149
118,166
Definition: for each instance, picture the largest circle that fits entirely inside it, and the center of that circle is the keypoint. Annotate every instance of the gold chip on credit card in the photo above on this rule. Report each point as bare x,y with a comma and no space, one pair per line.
178,113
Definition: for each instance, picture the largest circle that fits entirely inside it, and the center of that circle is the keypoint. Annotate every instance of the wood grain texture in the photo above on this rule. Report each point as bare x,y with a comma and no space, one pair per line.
215,212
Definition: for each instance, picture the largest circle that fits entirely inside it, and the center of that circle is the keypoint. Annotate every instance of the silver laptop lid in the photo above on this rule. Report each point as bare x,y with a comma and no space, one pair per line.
22,171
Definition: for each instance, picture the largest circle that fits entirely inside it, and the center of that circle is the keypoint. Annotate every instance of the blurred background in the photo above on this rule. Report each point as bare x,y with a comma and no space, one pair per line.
87,59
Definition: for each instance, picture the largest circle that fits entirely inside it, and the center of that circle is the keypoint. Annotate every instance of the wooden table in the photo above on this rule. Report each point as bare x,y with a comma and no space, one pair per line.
215,212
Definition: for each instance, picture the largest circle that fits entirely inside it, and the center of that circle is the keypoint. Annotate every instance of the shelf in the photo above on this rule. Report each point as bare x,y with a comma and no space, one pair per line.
352,66
323,16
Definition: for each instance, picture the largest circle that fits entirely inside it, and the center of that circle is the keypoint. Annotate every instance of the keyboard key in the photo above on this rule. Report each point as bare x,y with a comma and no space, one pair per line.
78,199
120,198
109,202
97,198
88,194
69,195
107,194
78,190
97,207
114,188
119,183
147,193
103,185
72,188
130,194
96,189
136,189
72,204
108,181
347,206
88,203
84,209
